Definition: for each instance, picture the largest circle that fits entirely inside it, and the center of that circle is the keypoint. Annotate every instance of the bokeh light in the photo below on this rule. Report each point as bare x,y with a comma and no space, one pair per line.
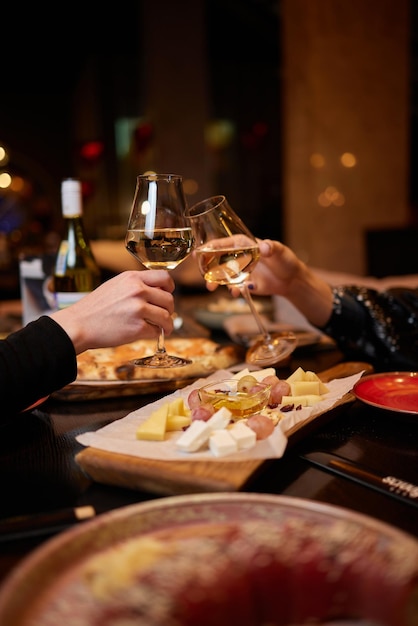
331,196
5,180
317,160
348,159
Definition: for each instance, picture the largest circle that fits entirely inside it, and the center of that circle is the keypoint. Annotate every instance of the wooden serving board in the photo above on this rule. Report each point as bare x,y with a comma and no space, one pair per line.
181,477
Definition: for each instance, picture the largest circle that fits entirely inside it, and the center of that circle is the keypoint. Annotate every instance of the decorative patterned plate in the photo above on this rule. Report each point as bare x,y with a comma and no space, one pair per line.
43,583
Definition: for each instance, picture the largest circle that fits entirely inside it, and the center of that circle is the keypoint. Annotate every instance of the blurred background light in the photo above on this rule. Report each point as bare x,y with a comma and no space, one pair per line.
5,180
331,197
219,134
348,159
4,157
317,160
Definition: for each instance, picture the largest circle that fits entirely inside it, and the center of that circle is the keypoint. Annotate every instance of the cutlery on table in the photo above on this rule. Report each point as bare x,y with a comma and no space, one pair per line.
392,486
33,524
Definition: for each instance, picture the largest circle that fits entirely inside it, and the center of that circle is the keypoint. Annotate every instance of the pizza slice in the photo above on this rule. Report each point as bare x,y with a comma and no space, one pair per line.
116,364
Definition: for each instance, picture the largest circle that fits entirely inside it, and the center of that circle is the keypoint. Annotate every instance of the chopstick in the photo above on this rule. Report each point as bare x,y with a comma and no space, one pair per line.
391,486
44,523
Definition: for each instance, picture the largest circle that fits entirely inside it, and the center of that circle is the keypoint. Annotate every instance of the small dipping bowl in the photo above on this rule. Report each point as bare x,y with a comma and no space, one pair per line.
240,403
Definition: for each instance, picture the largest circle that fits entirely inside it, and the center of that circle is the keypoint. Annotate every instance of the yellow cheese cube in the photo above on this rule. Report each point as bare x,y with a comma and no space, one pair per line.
306,400
298,375
312,376
295,400
177,407
177,422
154,428
304,387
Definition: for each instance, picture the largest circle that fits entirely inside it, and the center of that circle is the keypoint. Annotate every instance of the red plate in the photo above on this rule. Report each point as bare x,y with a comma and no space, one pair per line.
35,404
396,391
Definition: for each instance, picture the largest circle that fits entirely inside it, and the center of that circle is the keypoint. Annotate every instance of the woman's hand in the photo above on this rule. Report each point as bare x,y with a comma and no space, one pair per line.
280,272
277,267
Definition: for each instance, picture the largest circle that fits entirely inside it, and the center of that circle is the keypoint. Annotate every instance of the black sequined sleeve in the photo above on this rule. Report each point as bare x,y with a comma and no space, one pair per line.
378,327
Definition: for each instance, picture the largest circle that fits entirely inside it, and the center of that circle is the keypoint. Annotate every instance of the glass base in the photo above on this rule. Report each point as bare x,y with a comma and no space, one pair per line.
161,360
269,352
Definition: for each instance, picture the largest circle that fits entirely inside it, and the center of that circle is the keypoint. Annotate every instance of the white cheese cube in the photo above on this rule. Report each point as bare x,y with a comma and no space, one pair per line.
220,419
243,435
258,374
194,437
222,443
242,373
199,431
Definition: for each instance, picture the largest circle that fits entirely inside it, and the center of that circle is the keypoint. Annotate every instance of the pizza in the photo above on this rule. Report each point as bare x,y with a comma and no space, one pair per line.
116,364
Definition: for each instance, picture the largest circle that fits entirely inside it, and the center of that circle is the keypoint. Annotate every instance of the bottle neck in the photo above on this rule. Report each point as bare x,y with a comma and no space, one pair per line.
75,230
71,198
72,215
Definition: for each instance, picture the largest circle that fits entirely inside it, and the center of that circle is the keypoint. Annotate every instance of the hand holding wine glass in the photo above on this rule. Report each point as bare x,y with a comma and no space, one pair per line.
226,253
159,236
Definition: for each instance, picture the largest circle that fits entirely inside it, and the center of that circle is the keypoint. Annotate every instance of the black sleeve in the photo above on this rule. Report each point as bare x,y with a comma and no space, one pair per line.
378,327
35,361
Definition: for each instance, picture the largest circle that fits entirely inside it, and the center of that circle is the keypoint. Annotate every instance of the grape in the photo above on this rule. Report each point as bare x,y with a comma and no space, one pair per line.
246,382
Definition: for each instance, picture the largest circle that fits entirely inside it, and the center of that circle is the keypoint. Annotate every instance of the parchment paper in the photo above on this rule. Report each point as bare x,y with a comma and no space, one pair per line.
120,436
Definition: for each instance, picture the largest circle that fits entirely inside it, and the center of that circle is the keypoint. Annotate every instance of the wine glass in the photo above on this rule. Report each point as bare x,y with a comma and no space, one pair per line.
159,236
226,253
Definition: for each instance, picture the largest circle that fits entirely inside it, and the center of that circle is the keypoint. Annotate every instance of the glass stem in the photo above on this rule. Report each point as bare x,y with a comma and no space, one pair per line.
246,294
161,343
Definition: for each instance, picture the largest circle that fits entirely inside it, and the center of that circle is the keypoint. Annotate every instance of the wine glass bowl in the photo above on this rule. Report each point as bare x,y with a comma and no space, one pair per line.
226,253
159,236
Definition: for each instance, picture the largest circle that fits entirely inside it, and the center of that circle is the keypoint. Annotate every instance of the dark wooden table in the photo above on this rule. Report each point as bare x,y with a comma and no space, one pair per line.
39,473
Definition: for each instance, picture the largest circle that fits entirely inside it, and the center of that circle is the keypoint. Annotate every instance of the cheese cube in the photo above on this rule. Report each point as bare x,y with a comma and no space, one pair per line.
222,443
242,373
220,419
306,400
177,422
303,387
243,435
258,374
298,375
153,429
194,437
177,407
312,376
199,431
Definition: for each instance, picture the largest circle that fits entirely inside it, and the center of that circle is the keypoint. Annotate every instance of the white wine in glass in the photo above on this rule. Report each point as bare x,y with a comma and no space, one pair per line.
226,253
159,236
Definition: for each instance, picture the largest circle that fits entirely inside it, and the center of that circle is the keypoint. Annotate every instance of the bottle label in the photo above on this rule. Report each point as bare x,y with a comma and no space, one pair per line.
67,298
61,263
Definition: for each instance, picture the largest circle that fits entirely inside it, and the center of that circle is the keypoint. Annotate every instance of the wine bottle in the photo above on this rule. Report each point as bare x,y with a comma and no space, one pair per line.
76,271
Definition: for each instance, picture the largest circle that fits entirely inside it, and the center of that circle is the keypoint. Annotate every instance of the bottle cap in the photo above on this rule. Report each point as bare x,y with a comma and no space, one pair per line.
71,199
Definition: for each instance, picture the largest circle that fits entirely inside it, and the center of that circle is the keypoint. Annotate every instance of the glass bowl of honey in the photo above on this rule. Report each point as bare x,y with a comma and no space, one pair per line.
242,400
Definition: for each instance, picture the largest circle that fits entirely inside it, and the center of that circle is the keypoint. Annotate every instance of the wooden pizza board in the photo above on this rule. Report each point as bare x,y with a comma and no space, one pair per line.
181,477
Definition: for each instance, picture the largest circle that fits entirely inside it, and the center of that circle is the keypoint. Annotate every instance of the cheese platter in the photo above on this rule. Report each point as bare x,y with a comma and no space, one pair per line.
196,474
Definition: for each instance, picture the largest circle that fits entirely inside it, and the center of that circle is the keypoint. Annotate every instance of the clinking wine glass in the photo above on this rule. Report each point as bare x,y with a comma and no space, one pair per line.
159,236
226,253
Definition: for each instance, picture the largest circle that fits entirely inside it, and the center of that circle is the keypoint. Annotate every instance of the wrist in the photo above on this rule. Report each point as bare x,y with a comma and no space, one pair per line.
312,296
72,328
